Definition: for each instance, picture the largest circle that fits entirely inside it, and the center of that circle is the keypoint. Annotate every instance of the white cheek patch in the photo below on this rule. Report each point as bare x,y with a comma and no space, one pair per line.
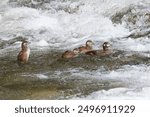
25,44
76,52
108,45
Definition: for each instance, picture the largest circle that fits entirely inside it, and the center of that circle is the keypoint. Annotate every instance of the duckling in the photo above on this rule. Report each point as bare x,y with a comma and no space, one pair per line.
23,55
105,51
87,47
71,54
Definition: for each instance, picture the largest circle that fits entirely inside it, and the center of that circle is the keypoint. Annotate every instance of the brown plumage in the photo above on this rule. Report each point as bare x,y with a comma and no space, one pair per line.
23,55
102,52
87,47
70,54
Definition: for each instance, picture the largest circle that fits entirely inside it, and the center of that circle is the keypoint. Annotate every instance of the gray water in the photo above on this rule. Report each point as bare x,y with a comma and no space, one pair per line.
54,26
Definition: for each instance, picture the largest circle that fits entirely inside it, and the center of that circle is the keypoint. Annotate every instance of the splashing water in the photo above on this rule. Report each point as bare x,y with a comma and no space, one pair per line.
53,26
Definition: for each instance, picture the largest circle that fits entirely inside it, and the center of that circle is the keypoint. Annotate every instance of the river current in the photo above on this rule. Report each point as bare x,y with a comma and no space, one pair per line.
54,26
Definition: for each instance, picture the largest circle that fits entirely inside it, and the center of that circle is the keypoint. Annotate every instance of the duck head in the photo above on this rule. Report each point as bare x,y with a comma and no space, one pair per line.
76,51
89,43
25,45
106,46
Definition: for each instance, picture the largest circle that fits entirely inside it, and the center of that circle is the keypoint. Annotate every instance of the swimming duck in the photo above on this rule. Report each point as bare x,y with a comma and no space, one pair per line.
23,55
71,54
87,47
102,52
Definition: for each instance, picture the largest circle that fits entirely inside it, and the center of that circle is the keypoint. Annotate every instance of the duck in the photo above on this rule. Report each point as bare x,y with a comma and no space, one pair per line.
23,55
87,47
101,52
70,54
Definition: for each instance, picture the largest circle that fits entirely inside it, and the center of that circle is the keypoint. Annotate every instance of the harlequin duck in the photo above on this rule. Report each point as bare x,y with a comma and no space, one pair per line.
23,55
87,47
71,54
102,52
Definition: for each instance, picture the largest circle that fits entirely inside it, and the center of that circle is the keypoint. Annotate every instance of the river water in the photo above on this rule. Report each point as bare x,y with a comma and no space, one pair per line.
54,26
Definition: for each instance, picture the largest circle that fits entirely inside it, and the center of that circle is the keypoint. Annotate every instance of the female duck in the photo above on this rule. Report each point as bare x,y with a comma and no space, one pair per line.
70,54
87,47
102,52
23,55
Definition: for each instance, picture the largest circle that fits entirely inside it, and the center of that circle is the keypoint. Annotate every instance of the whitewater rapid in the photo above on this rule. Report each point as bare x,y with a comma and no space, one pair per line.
66,24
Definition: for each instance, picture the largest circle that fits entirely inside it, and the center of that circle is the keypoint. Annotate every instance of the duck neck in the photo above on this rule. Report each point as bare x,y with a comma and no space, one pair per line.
89,47
25,48
105,49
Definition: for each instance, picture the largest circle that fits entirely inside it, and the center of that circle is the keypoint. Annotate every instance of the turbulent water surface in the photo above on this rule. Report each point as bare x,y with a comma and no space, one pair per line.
54,26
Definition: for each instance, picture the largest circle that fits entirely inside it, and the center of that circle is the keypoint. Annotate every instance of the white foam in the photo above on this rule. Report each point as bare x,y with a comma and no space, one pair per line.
136,77
120,93
129,74
91,20
42,43
27,19
41,76
3,2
